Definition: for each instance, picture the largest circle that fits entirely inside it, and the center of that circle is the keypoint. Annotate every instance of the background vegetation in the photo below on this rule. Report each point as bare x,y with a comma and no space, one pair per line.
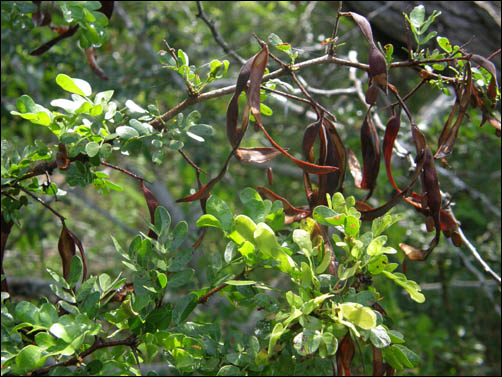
455,332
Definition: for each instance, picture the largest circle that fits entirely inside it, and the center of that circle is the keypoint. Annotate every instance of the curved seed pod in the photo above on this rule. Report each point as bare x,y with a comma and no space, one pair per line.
335,156
309,137
363,23
371,155
152,204
371,95
369,214
306,166
432,204
66,247
391,131
90,54
448,135
252,70
270,176
345,355
257,155
355,168
378,67
378,367
62,161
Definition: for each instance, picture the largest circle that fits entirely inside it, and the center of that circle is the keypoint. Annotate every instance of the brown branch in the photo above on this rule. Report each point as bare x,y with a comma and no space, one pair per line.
217,36
98,344
122,170
158,123
36,198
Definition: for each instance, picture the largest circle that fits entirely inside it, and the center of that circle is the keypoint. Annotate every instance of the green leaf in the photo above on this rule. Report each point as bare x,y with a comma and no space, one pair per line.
245,227
265,110
379,337
359,315
126,132
29,358
302,239
184,307
183,57
411,287
351,225
219,209
104,282
229,370
76,268
376,246
162,279
142,128
396,337
240,282
377,264
208,220
254,206
159,318
72,85
274,39
445,44
330,342
92,149
429,36
162,220
417,16
406,356
277,331
180,278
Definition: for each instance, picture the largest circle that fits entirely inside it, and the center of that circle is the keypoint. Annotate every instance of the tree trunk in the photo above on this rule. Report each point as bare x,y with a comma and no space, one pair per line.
460,21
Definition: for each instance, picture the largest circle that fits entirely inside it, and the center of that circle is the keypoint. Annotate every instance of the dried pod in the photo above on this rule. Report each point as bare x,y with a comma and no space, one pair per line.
90,54
377,67
391,131
456,238
66,247
371,95
371,154
152,204
62,161
258,155
270,176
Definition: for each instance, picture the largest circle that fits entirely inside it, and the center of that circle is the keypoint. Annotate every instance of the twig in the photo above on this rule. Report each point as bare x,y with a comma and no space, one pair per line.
157,123
331,49
217,36
122,170
473,251
98,344
61,217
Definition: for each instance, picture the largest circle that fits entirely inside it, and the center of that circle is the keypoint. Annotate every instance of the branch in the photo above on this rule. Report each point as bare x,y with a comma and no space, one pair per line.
158,123
474,252
217,36
98,344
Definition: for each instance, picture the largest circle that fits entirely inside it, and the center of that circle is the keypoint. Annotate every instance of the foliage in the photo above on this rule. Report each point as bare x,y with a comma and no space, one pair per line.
330,258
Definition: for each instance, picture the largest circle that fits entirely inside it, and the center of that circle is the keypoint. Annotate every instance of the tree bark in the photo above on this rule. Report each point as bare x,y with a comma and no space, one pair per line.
460,21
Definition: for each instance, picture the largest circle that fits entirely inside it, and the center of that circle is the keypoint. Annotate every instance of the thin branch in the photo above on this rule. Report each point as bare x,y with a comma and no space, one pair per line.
98,344
158,123
473,251
217,36
122,170
61,217
331,48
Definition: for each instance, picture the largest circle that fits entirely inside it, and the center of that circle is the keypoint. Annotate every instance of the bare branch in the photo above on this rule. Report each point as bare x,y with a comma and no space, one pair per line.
217,36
